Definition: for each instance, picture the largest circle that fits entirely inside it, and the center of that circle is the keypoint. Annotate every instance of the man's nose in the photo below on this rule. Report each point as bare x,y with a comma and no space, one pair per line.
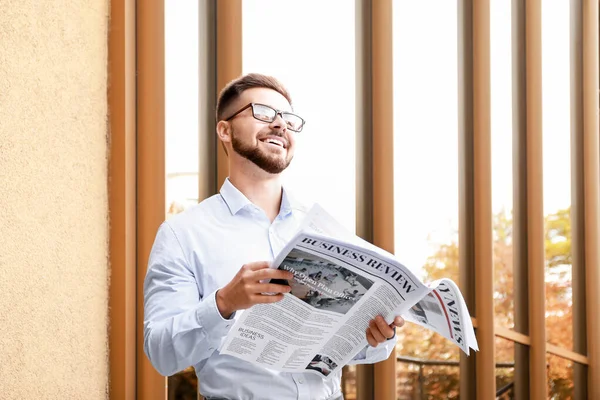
279,124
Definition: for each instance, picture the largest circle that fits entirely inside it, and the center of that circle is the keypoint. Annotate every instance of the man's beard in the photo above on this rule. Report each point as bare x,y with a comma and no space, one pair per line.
270,163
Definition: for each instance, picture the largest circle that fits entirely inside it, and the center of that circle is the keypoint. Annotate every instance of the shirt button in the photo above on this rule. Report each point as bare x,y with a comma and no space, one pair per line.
301,381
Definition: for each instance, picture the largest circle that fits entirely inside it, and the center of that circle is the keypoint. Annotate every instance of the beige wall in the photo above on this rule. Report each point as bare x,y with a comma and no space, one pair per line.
53,199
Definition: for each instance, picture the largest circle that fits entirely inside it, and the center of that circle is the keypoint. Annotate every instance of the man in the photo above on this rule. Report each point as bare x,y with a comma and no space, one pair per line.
213,259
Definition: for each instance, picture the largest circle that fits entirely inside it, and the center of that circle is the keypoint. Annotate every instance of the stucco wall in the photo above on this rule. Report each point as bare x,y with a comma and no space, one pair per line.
53,199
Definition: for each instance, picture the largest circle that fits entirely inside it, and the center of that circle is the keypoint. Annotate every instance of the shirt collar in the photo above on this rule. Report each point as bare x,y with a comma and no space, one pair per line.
287,202
236,200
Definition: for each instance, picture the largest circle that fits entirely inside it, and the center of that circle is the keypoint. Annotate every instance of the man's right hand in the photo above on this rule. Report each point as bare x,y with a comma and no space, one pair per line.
246,288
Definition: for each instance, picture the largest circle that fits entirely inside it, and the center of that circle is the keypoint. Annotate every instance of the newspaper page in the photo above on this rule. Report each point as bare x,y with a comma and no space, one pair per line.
338,287
431,312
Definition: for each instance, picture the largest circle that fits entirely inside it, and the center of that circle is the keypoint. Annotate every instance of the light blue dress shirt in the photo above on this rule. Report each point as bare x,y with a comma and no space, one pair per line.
194,254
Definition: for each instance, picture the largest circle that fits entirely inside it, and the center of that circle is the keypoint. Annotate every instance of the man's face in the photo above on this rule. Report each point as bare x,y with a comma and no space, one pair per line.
268,145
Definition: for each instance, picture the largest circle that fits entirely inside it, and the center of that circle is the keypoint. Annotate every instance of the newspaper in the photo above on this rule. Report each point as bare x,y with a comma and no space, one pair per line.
340,283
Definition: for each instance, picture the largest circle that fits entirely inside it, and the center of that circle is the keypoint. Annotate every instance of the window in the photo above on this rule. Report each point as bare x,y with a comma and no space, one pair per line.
557,171
426,179
181,104
317,67
502,162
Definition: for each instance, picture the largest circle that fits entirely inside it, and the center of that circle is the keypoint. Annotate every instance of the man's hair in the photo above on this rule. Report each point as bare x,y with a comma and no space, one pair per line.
235,88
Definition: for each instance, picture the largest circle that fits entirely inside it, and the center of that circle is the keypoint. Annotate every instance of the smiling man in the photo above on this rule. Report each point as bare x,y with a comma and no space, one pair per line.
213,259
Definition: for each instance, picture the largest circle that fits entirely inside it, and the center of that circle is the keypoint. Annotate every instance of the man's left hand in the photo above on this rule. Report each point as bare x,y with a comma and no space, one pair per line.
379,331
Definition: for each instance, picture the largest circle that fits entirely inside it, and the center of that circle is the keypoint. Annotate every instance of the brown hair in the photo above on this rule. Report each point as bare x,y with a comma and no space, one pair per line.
234,89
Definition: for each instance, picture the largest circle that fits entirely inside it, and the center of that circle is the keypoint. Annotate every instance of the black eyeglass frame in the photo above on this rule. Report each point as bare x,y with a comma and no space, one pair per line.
277,112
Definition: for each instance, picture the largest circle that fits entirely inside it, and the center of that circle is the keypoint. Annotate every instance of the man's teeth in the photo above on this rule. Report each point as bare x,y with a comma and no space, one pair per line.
276,142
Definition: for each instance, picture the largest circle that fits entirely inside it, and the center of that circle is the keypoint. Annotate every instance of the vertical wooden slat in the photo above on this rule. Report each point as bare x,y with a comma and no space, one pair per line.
520,244
364,121
122,200
482,174
150,168
364,157
577,200
382,84
535,209
591,171
383,166
466,238
229,61
207,149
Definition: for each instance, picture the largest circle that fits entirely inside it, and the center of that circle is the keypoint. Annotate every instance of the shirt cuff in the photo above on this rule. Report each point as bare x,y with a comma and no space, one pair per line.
370,354
212,322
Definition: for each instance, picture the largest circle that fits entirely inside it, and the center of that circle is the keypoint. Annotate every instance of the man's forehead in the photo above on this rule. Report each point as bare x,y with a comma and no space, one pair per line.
265,96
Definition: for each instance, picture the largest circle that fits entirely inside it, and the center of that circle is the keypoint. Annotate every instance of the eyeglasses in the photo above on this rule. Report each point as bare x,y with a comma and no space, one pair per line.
265,113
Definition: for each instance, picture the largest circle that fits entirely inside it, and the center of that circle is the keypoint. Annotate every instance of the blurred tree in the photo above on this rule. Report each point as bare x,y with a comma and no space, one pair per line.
183,385
420,343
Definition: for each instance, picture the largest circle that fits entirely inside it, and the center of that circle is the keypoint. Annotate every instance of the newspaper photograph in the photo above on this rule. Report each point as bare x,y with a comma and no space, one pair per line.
338,286
322,284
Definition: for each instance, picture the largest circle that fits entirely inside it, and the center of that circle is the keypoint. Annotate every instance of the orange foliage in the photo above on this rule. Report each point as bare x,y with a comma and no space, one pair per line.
417,342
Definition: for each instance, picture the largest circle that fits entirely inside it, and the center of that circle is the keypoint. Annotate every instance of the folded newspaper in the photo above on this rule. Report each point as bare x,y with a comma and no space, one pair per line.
340,283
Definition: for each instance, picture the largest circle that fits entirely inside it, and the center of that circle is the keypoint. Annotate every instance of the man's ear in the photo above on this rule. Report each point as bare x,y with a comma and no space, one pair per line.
224,131
224,134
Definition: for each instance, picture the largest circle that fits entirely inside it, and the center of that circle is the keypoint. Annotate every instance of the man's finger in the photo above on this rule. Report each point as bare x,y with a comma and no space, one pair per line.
272,288
256,265
377,334
270,273
398,322
370,339
384,328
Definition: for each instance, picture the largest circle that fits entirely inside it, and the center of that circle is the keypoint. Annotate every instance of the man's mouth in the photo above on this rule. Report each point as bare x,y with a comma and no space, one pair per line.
275,142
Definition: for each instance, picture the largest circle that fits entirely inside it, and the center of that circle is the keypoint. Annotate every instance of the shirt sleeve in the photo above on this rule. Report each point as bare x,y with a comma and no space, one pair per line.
181,327
371,355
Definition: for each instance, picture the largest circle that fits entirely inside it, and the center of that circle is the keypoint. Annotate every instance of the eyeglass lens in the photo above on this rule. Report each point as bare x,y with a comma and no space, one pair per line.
268,114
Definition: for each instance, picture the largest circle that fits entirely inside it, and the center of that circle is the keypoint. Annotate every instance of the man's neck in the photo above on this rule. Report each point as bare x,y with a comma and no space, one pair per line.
262,189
